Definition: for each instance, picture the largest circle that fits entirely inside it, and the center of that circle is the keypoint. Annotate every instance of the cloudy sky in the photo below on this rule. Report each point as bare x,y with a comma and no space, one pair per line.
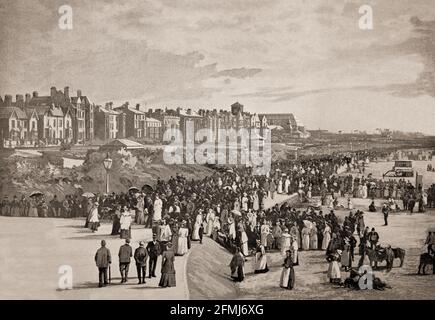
306,57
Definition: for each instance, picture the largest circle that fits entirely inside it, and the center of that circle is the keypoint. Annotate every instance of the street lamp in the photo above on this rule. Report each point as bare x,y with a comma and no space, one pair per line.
107,165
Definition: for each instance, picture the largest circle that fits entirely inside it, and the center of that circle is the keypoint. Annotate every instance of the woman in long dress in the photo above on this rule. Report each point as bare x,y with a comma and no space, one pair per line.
168,278
116,224
244,241
237,266
334,273
255,202
140,217
306,238
125,224
231,228
285,241
196,226
294,232
33,208
210,220
287,280
265,230
182,239
314,242
279,186
326,237
294,249
260,259
94,222
175,234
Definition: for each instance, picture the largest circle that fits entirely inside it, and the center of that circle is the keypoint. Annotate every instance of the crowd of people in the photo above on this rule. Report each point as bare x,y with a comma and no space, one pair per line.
229,207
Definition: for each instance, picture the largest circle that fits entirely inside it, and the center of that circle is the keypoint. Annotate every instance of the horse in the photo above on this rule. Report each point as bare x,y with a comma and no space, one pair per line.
426,259
376,256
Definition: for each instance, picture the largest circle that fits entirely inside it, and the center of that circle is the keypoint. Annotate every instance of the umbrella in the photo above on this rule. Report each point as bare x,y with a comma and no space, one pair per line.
308,224
36,193
236,212
133,189
230,170
147,188
227,188
88,195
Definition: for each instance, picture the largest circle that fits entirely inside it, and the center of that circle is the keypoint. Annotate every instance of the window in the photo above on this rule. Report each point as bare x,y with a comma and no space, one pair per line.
60,134
60,122
33,125
13,124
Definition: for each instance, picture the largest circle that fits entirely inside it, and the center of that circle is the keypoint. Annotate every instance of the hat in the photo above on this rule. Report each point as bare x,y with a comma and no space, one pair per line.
141,243
103,242
127,240
154,235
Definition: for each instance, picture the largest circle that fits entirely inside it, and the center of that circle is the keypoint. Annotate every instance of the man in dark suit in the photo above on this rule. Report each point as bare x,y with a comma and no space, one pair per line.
125,253
141,256
153,249
102,260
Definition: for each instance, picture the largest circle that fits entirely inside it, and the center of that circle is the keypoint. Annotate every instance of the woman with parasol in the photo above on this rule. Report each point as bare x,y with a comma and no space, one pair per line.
125,223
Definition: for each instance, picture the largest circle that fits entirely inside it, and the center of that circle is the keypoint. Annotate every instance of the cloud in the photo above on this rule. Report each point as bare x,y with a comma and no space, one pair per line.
240,73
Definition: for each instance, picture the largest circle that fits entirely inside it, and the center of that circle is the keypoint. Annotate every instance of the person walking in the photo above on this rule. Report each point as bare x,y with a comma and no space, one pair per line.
103,259
125,253
153,249
237,266
385,211
141,256
94,221
287,280
168,278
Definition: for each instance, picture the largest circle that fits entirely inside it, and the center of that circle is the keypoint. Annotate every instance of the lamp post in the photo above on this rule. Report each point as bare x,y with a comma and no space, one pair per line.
107,165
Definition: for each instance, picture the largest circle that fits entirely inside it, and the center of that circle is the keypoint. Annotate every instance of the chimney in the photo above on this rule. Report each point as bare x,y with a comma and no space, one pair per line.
8,100
35,94
137,106
150,111
189,111
20,100
66,92
53,92
28,97
79,93
178,111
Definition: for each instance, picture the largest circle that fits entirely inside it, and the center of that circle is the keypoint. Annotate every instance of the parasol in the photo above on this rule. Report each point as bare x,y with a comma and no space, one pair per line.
236,212
133,189
36,193
88,195
230,170
308,224
227,188
147,188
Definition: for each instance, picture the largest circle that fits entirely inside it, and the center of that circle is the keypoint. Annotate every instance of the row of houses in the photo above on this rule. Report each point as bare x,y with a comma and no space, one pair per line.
34,120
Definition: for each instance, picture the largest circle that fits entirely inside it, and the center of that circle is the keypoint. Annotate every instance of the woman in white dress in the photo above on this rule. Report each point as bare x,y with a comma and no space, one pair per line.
232,228
255,202
314,244
306,238
279,186
334,273
125,221
294,249
286,185
183,233
260,259
196,226
364,191
210,220
285,241
326,237
265,230
244,240
94,222
245,201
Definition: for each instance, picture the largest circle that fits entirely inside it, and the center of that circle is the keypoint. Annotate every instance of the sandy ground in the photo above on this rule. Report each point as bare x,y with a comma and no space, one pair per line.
33,249
211,277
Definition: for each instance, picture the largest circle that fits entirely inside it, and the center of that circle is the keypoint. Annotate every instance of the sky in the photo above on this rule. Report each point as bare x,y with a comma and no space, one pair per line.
307,57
